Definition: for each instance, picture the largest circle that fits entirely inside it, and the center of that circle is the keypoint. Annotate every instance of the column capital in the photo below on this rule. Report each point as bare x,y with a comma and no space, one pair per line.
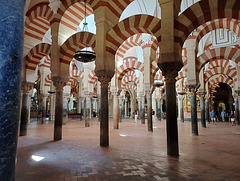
26,87
116,92
170,76
104,76
59,82
202,95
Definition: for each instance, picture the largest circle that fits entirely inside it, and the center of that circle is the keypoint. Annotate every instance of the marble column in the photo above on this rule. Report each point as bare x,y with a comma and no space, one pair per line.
120,109
59,84
207,110
238,120
115,110
180,107
142,109
194,120
202,107
44,108
88,111
126,108
104,123
149,111
236,107
52,107
171,114
139,107
99,107
66,98
159,110
11,49
26,87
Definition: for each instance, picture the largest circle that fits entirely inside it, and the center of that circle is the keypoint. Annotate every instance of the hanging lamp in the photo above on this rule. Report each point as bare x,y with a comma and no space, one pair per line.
84,55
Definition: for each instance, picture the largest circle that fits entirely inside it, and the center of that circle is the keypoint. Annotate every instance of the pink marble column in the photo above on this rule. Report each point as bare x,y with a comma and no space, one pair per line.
115,110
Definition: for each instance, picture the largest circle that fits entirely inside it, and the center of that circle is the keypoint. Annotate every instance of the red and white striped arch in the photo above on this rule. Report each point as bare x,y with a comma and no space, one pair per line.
47,62
225,23
48,80
202,12
92,77
127,66
72,82
227,53
115,7
74,15
37,21
77,41
76,73
129,87
129,27
221,79
228,71
129,77
136,40
36,54
182,74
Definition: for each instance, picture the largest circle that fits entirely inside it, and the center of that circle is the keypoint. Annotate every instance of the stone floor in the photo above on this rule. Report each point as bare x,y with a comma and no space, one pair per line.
134,153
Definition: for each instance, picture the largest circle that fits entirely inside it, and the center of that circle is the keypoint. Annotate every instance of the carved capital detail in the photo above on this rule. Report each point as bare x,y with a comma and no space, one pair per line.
26,87
104,80
170,76
59,82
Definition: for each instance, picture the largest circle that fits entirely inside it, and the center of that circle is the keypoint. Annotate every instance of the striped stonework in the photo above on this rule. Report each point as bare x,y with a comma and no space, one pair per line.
228,71
77,41
74,15
182,74
37,21
222,79
227,53
76,73
48,80
129,78
92,77
203,12
129,87
129,27
46,63
36,54
127,66
115,7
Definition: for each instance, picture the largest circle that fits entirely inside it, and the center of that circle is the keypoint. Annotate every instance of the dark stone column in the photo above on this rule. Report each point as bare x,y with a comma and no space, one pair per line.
194,112
202,107
11,48
26,87
238,120
142,110
104,123
88,111
149,110
207,110
59,84
171,114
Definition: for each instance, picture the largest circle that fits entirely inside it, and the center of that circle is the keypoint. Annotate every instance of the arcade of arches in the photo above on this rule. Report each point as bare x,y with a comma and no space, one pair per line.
189,46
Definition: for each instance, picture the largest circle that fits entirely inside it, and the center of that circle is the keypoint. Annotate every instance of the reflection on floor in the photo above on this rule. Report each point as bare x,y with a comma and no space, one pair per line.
134,153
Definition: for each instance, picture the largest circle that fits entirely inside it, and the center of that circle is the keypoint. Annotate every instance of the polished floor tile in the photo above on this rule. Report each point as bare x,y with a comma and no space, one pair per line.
134,153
